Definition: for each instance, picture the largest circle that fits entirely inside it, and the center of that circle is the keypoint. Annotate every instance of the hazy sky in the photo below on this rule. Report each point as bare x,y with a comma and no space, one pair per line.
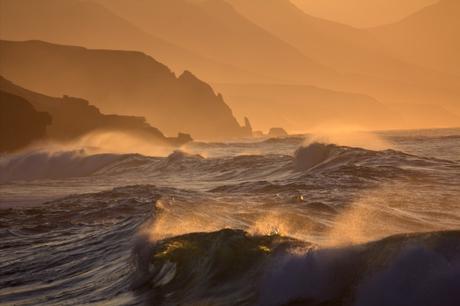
362,13
269,61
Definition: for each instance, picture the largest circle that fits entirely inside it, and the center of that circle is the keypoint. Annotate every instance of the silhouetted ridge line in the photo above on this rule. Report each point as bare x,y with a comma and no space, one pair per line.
122,82
433,33
74,117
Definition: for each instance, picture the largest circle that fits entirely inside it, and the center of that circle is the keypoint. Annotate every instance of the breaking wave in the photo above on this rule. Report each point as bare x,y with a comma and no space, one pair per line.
114,260
52,165
231,267
316,157
275,222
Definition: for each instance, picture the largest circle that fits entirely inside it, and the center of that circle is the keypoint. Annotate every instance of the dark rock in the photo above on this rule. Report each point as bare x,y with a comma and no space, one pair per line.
122,82
247,126
181,139
277,132
20,123
74,117
258,134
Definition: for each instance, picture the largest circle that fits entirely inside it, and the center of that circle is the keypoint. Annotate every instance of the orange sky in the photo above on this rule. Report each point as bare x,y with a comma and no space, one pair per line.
271,62
362,13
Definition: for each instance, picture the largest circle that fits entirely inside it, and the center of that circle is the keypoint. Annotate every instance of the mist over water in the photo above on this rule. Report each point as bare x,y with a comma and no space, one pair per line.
302,219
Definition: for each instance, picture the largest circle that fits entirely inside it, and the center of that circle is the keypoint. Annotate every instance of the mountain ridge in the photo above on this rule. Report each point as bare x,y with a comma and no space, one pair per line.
416,40
121,82
87,23
362,13
73,118
216,29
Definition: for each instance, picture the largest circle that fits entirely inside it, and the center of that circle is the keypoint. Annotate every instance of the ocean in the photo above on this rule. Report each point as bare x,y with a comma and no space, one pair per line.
317,219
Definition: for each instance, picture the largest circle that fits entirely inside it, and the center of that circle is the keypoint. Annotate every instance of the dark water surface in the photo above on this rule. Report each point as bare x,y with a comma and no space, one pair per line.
363,220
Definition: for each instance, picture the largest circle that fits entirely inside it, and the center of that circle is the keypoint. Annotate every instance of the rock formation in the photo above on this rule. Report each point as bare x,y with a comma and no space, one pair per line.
74,117
122,82
20,123
277,132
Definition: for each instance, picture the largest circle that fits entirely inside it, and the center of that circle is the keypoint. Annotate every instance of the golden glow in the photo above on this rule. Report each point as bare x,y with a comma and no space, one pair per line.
362,13
277,64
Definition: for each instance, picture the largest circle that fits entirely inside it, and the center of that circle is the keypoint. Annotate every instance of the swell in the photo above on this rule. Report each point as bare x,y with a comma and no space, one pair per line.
231,267
53,165
314,159
75,250
330,156
97,247
321,166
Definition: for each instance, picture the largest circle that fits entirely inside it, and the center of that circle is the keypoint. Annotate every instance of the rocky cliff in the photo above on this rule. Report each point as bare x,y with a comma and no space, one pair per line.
74,117
122,82
20,123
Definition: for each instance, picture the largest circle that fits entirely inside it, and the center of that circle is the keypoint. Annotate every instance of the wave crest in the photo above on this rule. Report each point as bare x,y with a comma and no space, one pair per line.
53,165
226,266
314,154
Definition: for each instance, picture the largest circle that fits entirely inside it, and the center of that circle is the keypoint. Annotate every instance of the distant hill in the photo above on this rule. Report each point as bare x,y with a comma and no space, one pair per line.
20,123
278,40
362,13
275,38
429,37
219,32
344,48
242,42
366,67
434,116
88,24
301,107
121,82
71,118
355,53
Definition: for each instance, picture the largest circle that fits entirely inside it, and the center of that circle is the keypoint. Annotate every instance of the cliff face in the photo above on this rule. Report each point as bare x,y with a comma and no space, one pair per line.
121,82
20,123
73,117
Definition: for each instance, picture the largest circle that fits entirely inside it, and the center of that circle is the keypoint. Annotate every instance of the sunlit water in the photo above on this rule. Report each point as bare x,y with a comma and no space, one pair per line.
302,220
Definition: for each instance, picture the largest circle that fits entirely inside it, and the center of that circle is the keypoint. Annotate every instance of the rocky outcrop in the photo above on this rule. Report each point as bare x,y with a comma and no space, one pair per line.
277,132
74,117
122,82
20,123
247,126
